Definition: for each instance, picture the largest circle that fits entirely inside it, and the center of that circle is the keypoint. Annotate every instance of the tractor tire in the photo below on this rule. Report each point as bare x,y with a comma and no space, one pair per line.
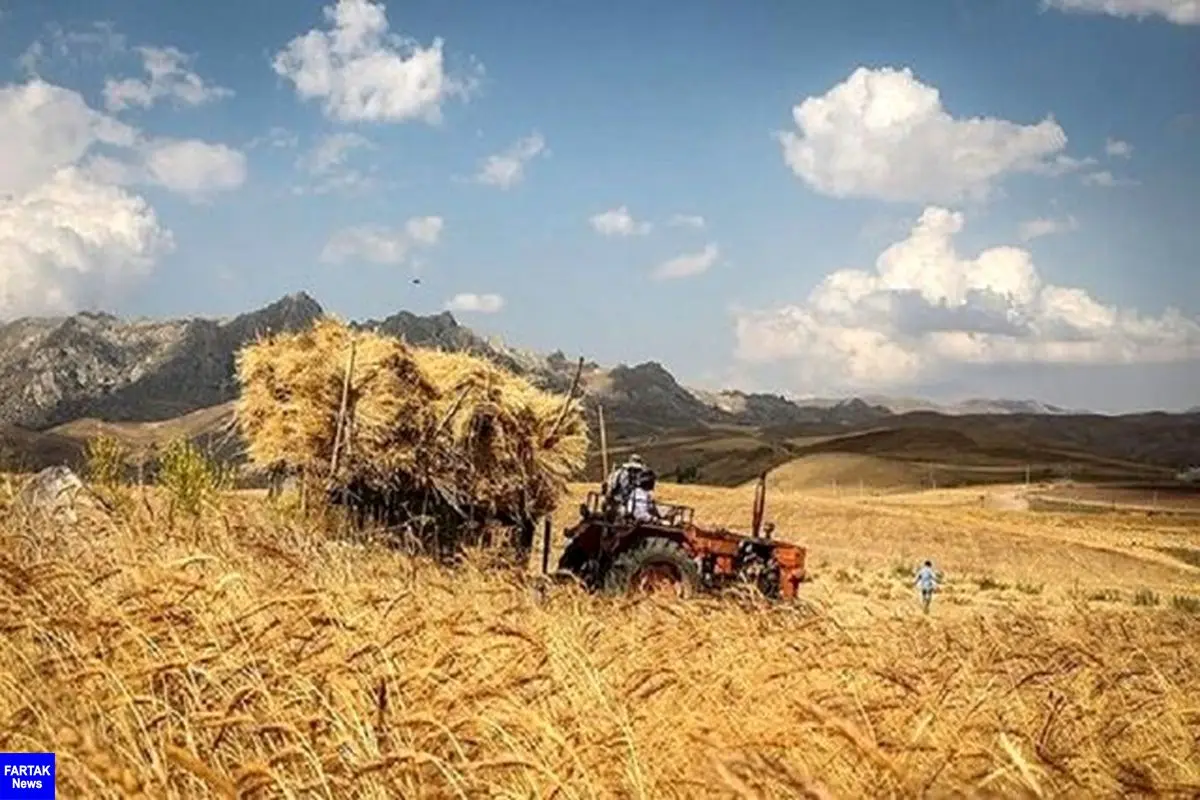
654,560
577,563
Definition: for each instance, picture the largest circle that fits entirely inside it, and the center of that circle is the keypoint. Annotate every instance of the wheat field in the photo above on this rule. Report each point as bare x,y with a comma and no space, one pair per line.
247,654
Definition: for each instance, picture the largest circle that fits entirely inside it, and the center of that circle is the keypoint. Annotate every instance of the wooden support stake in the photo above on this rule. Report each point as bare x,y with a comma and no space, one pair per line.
562,416
603,446
341,417
546,526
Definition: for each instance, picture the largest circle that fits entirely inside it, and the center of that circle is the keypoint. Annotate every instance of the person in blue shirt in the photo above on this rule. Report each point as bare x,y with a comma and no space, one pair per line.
927,582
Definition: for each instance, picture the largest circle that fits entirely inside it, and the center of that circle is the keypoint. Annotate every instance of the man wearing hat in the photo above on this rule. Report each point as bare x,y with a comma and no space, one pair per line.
623,480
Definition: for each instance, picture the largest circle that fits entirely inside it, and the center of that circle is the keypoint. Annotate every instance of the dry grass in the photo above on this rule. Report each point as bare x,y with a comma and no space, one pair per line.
254,657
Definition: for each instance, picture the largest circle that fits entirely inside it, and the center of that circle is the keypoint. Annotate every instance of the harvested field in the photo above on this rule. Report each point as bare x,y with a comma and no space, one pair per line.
251,656
1174,498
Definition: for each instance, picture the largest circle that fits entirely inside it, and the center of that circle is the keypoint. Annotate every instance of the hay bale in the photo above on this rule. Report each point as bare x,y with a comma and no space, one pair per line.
486,442
291,391
498,434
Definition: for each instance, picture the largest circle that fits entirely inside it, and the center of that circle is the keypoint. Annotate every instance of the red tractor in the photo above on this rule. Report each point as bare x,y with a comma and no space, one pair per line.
612,553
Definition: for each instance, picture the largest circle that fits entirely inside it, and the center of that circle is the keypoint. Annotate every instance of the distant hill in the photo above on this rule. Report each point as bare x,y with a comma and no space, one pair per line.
146,381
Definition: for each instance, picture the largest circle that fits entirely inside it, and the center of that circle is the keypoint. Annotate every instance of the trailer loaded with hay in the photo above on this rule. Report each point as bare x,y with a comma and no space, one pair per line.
441,447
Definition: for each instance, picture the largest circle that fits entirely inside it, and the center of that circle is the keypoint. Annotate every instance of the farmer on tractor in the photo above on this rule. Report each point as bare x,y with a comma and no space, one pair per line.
619,486
641,504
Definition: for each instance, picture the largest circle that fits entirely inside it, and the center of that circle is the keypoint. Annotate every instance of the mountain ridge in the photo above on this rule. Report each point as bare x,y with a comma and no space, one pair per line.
94,364
63,376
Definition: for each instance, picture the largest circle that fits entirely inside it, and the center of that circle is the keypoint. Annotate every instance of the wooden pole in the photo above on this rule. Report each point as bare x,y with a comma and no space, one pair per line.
546,525
341,417
562,415
603,445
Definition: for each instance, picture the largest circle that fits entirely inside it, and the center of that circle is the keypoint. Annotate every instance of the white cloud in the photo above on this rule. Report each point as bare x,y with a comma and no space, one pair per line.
507,169
71,242
1045,226
618,222
44,128
275,137
78,47
71,232
1181,12
1106,179
377,244
362,72
327,163
882,133
1117,148
194,169
425,230
688,264
925,309
478,303
169,78
687,221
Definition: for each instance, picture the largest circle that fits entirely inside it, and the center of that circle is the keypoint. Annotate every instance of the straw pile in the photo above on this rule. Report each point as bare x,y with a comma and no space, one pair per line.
450,426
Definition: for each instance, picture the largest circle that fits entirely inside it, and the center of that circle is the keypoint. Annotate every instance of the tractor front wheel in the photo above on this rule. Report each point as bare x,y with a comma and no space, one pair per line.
653,564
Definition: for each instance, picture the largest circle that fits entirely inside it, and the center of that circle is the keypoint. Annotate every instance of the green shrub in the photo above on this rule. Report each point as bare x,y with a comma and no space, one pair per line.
190,478
106,461
105,468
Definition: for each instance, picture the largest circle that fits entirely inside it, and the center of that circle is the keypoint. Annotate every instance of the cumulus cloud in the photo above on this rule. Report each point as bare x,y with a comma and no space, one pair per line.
44,128
327,163
477,303
1181,12
79,47
425,230
276,137
618,222
925,308
882,133
378,244
195,169
168,78
1117,148
1045,226
360,71
1105,179
507,169
687,221
70,242
688,264
72,232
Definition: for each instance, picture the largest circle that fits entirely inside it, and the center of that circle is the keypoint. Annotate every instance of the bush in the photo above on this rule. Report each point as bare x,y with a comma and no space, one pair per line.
106,461
1188,605
190,478
1145,597
105,470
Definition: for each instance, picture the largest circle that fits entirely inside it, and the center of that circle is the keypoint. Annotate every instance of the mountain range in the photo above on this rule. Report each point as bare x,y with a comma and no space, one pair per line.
55,372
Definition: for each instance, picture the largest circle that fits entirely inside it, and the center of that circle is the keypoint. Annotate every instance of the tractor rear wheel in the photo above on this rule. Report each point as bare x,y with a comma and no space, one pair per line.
653,564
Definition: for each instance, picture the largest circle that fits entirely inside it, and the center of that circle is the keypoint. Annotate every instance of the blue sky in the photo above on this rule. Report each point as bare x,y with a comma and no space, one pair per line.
980,197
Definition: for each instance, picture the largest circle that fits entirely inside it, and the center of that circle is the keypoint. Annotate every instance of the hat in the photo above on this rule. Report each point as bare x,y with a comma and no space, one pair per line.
635,458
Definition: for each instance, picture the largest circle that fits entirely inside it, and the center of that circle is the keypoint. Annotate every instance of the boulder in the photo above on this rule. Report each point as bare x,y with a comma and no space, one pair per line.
54,492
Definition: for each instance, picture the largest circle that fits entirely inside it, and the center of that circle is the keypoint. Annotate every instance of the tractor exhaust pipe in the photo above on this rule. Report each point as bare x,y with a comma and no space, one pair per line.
760,502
